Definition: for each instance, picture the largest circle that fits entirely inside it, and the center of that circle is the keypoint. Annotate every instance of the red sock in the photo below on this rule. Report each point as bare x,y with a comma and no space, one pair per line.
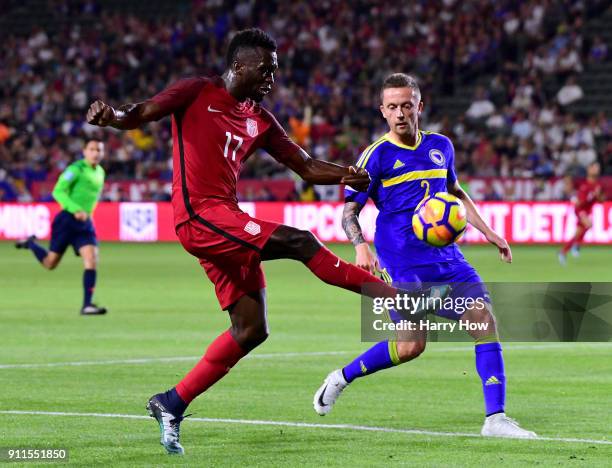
333,270
220,357
566,248
576,240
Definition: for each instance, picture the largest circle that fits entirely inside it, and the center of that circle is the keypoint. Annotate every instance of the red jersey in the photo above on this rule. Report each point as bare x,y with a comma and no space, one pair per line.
587,195
213,134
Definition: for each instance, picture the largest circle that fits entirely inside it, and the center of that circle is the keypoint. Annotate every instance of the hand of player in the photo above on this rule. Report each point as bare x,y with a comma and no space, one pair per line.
100,114
366,259
505,254
358,178
81,216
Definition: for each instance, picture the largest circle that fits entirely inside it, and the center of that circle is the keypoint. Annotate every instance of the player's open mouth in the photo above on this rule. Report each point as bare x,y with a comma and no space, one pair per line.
265,89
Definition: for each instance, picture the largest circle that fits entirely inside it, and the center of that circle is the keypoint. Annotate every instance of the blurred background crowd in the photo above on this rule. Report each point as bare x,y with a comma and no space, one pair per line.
523,88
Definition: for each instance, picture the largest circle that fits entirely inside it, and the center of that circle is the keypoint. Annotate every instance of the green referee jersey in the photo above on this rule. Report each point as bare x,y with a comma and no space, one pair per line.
79,187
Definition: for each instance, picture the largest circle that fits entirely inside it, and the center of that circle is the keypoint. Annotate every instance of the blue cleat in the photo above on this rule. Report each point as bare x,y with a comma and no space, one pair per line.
562,258
169,425
24,244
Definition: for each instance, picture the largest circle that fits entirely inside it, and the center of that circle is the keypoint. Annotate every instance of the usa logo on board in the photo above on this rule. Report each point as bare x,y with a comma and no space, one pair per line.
138,222
251,126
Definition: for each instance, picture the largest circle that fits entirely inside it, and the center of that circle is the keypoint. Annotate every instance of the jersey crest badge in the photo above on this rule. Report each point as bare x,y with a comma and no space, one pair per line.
251,127
437,157
252,228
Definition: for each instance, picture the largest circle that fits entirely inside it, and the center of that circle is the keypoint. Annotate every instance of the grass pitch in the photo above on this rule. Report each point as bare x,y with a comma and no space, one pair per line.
163,313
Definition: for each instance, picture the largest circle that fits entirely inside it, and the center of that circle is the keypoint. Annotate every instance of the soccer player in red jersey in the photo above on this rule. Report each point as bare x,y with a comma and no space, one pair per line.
217,124
589,192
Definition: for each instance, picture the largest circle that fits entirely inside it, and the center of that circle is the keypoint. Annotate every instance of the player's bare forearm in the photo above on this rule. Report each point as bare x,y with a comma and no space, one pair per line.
129,116
350,222
325,173
473,215
125,117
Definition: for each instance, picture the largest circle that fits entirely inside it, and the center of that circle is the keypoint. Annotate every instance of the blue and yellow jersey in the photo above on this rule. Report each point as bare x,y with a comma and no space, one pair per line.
401,177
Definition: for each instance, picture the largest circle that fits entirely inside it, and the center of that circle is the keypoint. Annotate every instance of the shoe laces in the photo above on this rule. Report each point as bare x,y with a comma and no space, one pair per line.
337,387
508,419
175,424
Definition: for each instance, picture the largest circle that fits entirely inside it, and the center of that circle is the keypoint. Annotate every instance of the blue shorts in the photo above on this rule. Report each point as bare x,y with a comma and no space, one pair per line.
462,277
67,230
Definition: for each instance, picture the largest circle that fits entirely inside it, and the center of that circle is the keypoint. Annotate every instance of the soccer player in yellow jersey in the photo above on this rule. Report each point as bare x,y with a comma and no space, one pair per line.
406,166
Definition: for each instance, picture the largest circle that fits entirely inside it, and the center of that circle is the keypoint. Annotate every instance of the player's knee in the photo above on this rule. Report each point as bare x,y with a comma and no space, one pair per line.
409,350
303,245
491,323
483,316
251,336
50,263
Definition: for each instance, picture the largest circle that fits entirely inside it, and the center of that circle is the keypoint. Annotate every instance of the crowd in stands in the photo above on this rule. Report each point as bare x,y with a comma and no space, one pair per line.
333,57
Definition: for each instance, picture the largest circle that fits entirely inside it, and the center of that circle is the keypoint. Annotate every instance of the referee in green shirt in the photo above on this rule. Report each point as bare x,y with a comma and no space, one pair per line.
77,191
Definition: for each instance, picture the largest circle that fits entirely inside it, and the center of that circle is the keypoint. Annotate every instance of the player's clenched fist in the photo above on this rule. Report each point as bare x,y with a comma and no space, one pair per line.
358,178
100,114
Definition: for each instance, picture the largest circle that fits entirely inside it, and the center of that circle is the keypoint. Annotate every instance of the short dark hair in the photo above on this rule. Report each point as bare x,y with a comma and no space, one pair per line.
251,38
400,80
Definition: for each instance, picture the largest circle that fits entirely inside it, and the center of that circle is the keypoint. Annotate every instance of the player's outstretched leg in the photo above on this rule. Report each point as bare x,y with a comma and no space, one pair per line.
249,329
48,260
288,242
382,355
303,246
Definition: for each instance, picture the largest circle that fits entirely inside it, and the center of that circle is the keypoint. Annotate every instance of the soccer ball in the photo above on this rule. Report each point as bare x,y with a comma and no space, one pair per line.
439,219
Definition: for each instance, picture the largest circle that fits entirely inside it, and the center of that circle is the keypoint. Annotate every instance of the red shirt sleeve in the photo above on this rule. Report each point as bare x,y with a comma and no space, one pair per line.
277,142
179,95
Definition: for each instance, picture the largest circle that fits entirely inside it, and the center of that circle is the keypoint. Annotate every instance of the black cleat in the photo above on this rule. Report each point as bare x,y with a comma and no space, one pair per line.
23,244
169,425
93,309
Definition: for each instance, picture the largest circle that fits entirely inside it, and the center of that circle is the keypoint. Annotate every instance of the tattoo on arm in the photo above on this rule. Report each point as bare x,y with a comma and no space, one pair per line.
350,222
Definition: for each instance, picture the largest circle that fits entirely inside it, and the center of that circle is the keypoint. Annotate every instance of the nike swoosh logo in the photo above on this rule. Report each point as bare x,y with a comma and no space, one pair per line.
337,264
321,402
210,109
